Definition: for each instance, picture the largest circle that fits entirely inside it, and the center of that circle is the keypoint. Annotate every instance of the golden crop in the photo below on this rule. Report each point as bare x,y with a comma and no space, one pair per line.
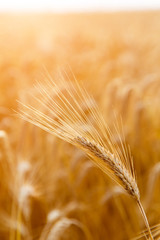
50,190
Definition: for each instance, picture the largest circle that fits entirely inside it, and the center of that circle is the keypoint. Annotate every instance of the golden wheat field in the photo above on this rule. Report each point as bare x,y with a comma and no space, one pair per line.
50,189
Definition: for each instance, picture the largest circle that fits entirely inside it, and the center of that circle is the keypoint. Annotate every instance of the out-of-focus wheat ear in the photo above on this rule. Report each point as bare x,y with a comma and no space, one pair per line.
56,215
6,156
116,191
72,227
61,112
4,144
24,191
152,182
7,169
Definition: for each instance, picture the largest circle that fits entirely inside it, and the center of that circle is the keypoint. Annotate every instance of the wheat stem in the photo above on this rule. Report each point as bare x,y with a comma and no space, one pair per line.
145,219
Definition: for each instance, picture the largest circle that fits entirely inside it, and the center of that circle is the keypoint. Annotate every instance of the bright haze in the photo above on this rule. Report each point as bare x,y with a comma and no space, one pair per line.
77,6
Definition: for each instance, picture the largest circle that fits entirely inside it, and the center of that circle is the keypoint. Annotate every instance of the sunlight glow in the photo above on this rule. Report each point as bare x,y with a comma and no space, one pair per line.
71,5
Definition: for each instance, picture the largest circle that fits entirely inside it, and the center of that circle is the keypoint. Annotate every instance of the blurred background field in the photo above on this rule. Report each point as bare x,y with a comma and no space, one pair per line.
49,189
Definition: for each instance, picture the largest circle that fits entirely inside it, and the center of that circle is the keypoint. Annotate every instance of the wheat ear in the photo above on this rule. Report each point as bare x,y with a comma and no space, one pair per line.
67,111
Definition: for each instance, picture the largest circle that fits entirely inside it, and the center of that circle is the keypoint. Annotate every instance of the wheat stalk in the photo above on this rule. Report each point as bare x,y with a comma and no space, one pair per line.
67,111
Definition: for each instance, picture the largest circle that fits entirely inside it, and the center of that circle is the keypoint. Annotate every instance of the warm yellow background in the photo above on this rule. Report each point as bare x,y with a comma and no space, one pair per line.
117,57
